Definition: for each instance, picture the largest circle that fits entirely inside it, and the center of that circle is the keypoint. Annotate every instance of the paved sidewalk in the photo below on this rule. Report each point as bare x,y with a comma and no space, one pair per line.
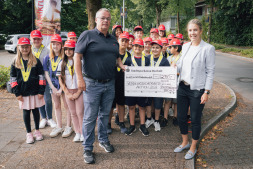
232,147
136,151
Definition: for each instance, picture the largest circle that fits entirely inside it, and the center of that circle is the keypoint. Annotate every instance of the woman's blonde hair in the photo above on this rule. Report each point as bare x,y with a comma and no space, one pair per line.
31,59
196,22
52,54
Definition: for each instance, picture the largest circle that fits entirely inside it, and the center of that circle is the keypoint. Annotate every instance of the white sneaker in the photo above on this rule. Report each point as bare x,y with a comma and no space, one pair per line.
67,132
77,137
81,138
157,126
149,122
171,112
51,123
43,123
56,131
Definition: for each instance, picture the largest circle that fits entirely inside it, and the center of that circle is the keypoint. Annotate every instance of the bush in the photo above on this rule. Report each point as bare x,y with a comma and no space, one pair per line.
247,53
2,41
4,75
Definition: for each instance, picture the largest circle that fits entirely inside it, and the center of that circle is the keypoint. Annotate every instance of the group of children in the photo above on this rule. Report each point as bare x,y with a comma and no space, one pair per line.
150,51
41,76
37,72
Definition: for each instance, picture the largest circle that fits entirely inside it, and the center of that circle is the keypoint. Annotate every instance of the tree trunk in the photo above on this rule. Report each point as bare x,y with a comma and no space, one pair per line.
92,7
178,27
158,9
210,22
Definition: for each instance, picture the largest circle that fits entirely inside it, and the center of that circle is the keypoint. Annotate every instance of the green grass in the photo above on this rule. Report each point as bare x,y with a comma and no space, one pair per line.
246,52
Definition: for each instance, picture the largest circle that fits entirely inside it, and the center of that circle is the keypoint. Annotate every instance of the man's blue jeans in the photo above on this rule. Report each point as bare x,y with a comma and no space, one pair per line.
46,110
98,99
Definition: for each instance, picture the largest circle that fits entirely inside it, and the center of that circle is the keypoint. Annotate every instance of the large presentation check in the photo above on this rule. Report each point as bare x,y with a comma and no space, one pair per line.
151,82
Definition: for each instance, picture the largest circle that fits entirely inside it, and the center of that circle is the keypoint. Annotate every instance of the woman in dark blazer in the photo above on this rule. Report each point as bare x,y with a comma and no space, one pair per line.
196,71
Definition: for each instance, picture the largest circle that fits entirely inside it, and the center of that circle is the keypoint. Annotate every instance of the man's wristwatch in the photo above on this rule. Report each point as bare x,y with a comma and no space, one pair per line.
207,92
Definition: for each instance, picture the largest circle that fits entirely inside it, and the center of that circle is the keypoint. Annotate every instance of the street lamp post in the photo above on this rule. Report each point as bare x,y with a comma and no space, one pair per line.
123,15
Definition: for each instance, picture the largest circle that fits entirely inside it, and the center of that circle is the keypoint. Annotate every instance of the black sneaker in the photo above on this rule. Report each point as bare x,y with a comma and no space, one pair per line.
130,130
107,146
144,130
123,128
116,119
88,157
164,122
175,122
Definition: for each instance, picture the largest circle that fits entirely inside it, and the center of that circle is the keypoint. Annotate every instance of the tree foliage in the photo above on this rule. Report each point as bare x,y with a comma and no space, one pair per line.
74,16
233,23
16,16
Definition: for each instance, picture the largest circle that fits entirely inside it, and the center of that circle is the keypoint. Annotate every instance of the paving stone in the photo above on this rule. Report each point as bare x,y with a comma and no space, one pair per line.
136,151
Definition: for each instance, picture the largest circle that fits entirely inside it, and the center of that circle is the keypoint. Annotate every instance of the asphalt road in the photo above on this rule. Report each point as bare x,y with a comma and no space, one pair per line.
236,72
6,58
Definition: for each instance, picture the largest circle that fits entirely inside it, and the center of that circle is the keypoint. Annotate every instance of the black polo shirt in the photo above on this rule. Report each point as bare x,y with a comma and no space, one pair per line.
99,54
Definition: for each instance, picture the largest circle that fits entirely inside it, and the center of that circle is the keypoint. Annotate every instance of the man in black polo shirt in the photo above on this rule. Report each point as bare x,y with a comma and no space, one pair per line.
99,51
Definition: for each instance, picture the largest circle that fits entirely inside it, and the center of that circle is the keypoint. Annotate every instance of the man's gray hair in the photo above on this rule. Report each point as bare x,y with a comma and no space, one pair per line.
102,10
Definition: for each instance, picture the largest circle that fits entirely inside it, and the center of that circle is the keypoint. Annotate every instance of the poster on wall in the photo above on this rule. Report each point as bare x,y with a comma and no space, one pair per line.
48,18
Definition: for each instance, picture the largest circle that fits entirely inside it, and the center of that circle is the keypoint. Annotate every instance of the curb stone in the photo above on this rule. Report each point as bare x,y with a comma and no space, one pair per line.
190,164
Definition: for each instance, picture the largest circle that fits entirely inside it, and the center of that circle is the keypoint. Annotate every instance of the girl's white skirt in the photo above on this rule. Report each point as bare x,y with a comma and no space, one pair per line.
31,102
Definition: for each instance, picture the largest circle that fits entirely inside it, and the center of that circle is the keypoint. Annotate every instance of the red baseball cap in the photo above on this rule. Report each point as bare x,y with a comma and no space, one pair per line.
147,39
154,30
71,34
70,44
116,26
124,36
125,32
138,42
170,36
164,40
161,28
138,27
175,41
56,38
24,41
158,42
131,36
180,36
36,34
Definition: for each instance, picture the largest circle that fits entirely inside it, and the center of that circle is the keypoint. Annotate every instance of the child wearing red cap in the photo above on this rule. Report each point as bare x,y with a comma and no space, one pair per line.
165,43
130,44
50,64
68,83
137,59
147,46
162,31
117,30
138,32
28,84
119,100
156,59
154,34
180,37
40,51
72,36
175,48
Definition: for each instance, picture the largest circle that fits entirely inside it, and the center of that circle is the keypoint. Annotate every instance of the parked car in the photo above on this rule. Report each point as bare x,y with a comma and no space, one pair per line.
64,36
12,42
